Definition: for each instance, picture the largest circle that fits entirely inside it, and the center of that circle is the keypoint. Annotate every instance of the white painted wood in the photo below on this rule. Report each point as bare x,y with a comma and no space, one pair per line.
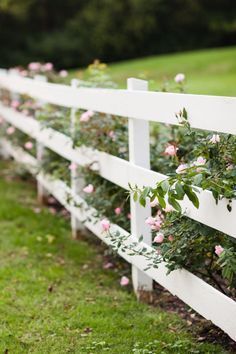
139,154
213,113
76,181
40,151
196,293
216,216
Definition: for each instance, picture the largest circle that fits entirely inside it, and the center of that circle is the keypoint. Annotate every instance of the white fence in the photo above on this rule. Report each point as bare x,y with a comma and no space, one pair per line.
140,106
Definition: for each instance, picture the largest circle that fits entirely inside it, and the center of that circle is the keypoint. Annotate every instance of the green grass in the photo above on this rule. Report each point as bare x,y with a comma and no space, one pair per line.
55,296
211,71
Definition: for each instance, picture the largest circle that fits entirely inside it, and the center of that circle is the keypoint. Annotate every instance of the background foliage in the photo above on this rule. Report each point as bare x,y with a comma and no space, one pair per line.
72,33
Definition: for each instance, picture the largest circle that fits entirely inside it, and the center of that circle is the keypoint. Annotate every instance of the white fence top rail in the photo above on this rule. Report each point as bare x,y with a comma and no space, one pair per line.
211,113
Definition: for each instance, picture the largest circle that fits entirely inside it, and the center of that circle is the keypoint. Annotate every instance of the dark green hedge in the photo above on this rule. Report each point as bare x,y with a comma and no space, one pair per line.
72,33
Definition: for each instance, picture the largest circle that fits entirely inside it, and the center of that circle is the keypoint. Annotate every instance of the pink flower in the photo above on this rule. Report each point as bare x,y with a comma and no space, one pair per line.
230,167
105,224
24,73
181,168
47,67
86,116
154,203
63,73
28,145
171,150
73,166
112,135
157,225
159,238
128,216
171,238
118,211
108,265
200,161
10,130
15,104
218,250
150,221
51,200
88,189
124,281
179,78
215,139
34,66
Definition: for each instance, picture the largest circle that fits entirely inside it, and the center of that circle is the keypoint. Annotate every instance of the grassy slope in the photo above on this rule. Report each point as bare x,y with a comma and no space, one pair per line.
211,71
36,320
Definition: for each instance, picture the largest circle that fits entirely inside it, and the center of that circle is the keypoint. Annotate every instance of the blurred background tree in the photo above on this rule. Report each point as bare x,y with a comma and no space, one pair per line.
72,33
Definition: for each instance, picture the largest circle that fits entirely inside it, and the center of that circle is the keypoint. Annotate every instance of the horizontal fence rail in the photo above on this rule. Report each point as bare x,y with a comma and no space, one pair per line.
205,112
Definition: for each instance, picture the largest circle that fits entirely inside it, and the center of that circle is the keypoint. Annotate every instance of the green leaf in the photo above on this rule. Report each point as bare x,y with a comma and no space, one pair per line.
142,201
192,196
197,179
135,196
174,204
161,201
145,192
165,185
179,190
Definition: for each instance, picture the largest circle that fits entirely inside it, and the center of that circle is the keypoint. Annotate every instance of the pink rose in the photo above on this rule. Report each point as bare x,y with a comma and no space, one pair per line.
230,167
28,145
63,73
171,238
159,238
85,117
47,67
215,139
105,224
73,166
24,73
108,265
88,189
218,250
179,78
150,221
124,281
10,130
157,225
171,150
200,161
129,216
118,211
15,104
112,135
34,66
181,168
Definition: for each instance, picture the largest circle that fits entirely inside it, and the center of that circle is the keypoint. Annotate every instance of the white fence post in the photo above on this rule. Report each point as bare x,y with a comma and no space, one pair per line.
76,181
40,150
139,154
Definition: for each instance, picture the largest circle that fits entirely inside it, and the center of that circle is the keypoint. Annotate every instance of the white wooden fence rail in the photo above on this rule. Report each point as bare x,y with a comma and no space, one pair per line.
205,112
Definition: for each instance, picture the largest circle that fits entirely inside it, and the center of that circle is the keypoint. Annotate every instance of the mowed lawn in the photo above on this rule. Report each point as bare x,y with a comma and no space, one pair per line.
210,71
55,296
